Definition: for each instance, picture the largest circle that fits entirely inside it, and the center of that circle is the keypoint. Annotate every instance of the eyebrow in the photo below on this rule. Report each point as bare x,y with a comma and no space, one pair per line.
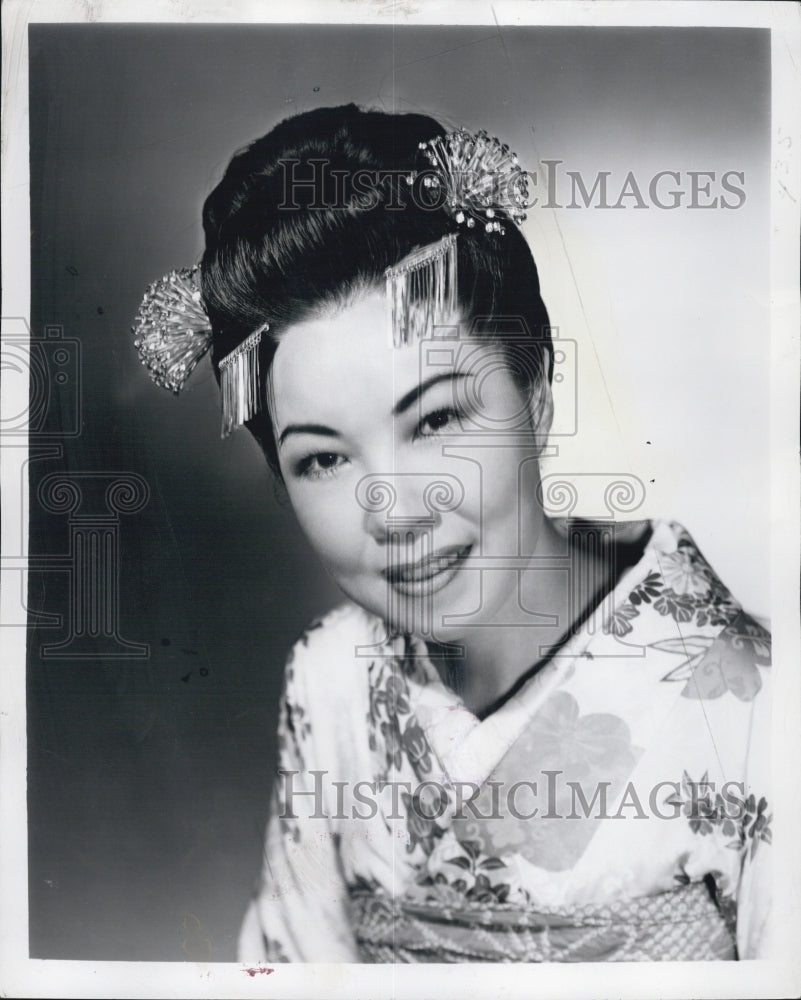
320,429
403,404
411,397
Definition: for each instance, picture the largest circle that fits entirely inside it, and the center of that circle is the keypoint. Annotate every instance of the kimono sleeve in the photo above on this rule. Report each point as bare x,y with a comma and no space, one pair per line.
299,912
755,889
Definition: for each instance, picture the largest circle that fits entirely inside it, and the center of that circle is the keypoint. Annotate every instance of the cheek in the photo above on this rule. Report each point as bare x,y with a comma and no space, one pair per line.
330,521
511,511
510,480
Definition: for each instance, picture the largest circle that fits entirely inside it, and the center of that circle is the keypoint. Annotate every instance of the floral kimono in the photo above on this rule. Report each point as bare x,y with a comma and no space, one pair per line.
614,808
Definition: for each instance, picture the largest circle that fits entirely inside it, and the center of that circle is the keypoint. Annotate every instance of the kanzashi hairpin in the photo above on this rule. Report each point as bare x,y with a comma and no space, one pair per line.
171,330
172,333
240,383
421,291
480,177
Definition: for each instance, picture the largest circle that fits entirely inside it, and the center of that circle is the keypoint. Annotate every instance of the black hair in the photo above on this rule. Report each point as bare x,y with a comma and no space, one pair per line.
315,211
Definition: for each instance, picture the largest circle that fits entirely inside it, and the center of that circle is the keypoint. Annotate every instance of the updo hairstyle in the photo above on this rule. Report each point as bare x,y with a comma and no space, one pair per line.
310,216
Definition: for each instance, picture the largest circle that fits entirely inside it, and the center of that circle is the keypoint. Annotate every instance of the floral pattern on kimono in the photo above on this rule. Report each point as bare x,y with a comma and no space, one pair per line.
632,766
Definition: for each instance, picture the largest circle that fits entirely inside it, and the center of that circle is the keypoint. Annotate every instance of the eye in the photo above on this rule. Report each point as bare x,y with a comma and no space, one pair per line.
319,465
434,423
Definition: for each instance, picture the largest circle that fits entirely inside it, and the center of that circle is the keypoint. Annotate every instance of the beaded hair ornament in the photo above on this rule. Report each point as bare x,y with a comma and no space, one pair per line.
477,181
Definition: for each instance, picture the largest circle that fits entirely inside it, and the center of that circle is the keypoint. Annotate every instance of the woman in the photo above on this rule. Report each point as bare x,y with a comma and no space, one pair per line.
519,739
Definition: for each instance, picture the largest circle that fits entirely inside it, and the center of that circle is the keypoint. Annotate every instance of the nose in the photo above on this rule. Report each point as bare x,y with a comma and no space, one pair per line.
395,509
404,506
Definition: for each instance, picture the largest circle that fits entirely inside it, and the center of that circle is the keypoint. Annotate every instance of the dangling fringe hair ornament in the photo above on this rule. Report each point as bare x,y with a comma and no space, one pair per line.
240,382
421,291
171,329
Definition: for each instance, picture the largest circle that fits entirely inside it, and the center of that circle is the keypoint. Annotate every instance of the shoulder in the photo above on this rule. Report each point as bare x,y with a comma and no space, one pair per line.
733,648
333,649
325,699
328,631
685,572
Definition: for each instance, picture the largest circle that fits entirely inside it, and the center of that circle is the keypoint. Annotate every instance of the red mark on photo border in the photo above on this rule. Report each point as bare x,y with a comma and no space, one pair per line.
261,970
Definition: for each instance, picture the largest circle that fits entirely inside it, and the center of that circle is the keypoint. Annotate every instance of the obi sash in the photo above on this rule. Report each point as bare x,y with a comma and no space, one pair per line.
682,924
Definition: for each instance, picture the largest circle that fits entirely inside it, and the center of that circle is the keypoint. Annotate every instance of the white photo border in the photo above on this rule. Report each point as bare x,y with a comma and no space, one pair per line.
22,976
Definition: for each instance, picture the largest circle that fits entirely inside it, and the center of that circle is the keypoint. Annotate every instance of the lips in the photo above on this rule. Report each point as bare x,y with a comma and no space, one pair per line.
427,574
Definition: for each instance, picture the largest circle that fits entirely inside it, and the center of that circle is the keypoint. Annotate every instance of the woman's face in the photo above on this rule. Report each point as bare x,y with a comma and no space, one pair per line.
412,470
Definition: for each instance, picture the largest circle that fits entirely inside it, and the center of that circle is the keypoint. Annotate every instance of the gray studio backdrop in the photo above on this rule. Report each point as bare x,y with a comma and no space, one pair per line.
151,733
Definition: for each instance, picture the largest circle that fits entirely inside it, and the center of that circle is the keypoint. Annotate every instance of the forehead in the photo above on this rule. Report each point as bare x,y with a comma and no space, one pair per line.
347,356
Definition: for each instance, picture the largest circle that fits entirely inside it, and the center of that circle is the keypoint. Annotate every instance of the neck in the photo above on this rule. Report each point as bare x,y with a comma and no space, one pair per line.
560,585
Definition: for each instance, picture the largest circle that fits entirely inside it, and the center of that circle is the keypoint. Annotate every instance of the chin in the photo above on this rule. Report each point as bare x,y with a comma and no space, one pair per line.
423,616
